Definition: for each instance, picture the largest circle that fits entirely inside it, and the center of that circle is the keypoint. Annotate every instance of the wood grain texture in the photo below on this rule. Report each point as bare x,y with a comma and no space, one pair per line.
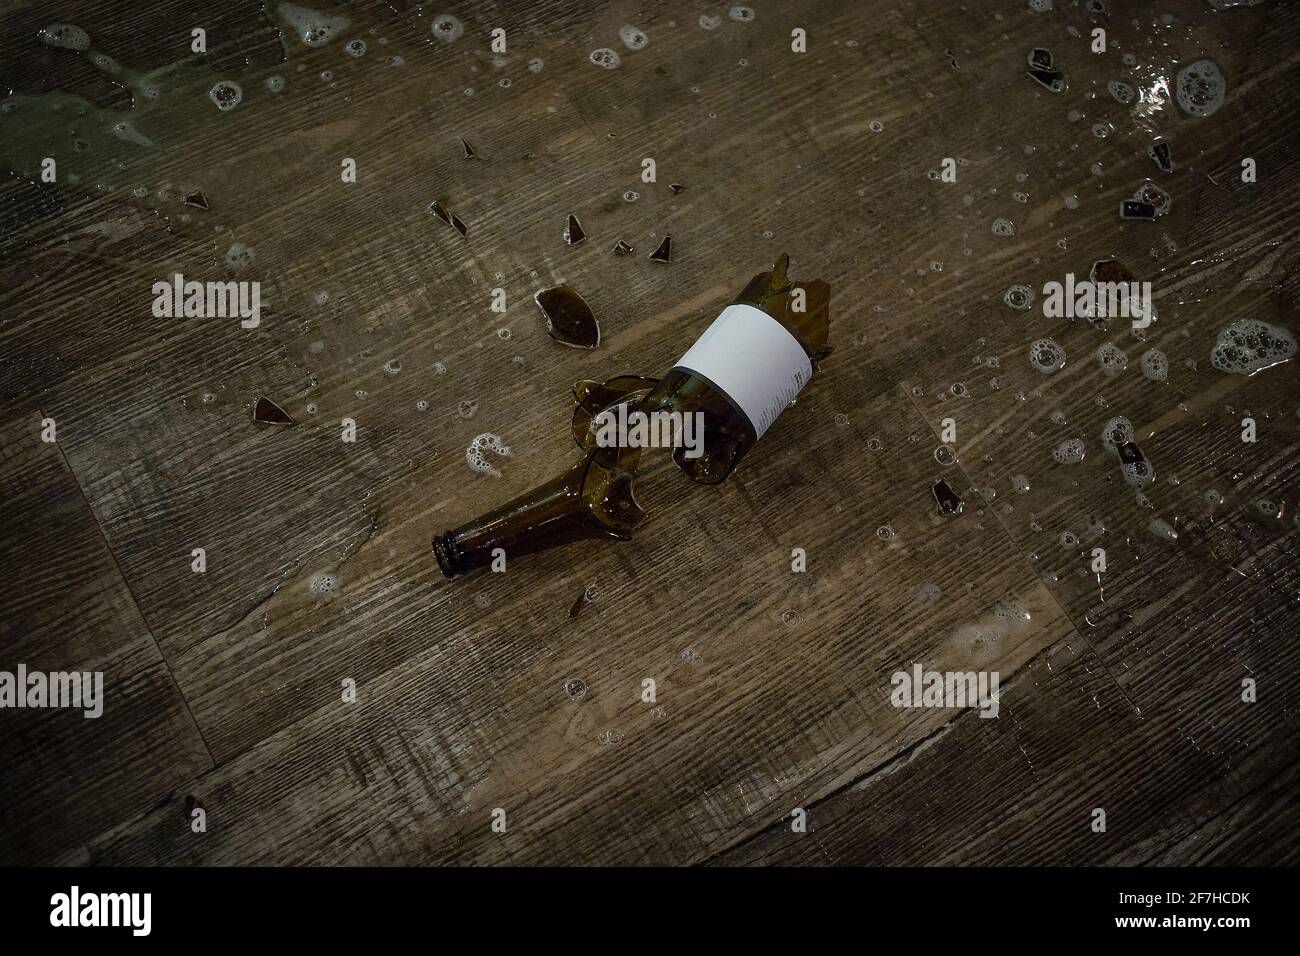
68,777
1122,692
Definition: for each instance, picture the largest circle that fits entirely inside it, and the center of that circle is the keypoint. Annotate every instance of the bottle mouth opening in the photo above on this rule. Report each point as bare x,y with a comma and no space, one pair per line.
450,560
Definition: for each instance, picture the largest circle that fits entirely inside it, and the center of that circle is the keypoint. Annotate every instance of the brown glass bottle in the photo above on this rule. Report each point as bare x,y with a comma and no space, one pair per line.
741,373
730,431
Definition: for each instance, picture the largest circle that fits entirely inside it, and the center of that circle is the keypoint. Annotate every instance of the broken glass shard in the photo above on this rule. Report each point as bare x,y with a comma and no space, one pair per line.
949,501
450,218
1110,270
573,232
1054,80
621,248
676,187
469,150
578,605
569,320
197,200
1136,209
1040,58
594,400
269,413
1130,453
1163,157
665,251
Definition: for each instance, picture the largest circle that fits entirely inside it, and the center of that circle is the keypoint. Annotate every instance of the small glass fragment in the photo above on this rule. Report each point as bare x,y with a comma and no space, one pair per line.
469,150
578,605
665,251
573,231
197,200
676,187
949,501
267,412
621,248
1163,157
1130,453
450,218
1136,209
1040,58
569,320
1053,80
1109,270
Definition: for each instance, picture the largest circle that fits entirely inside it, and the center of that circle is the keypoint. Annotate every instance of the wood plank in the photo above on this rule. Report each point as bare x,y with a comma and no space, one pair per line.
68,777
757,697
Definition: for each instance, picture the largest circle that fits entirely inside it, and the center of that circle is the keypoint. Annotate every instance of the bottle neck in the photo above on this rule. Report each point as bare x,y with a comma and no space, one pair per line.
548,516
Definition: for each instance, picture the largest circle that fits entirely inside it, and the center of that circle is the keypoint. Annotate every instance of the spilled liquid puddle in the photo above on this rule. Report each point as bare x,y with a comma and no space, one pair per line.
311,27
569,319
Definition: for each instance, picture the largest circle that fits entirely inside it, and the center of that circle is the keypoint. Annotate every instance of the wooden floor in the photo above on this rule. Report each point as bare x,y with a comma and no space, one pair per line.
224,688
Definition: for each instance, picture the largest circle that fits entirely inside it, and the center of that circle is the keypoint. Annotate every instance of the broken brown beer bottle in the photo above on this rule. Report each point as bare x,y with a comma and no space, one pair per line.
745,369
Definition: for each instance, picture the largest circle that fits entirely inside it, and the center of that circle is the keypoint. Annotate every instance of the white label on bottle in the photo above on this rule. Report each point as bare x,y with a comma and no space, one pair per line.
754,359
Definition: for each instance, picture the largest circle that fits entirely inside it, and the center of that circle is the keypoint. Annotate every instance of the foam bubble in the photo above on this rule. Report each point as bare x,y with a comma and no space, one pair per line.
275,83
1019,297
710,22
1199,88
1121,92
1248,346
1137,474
633,38
1111,358
227,94
1116,432
323,583
1069,452
741,14
239,257
606,57
447,28
1046,356
479,446
1155,365
1003,227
